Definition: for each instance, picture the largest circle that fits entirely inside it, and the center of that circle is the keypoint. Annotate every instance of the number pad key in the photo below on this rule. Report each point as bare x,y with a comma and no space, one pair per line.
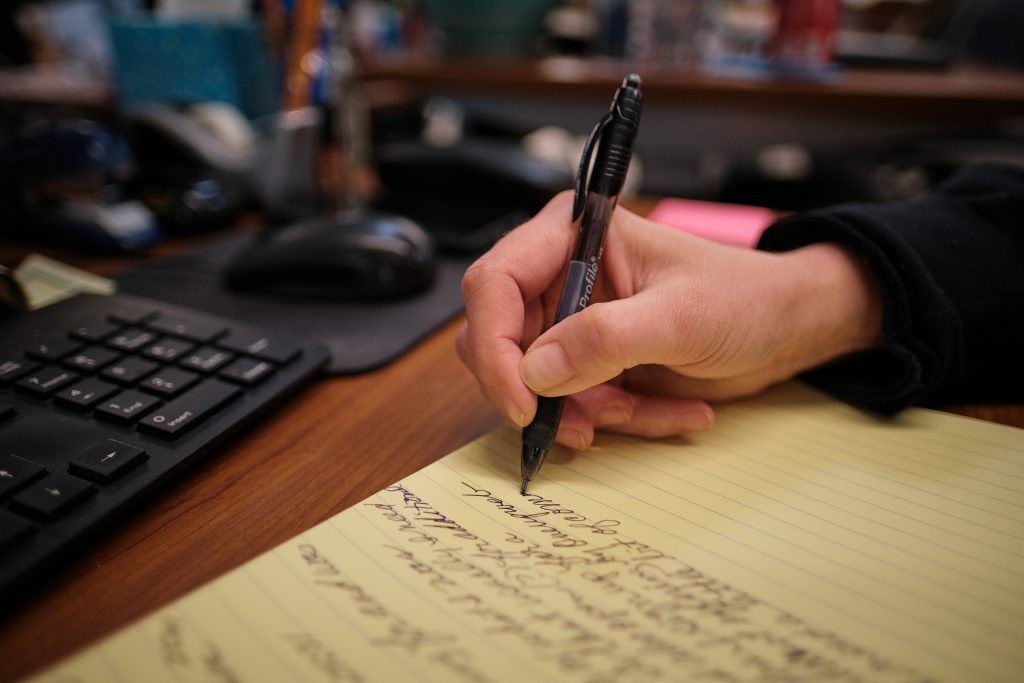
201,331
168,349
247,371
91,358
260,346
131,339
207,359
169,381
130,370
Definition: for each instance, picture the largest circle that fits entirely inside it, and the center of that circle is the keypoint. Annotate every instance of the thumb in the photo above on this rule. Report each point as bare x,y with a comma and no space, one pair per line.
597,344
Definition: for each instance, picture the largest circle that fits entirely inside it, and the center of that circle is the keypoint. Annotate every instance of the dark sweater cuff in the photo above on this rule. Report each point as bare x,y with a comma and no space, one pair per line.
907,367
949,266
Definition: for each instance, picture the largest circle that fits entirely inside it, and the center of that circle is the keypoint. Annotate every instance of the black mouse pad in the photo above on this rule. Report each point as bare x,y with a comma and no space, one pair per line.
360,335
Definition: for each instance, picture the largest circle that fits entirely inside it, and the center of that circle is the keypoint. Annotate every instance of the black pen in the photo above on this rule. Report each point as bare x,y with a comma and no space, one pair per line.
595,199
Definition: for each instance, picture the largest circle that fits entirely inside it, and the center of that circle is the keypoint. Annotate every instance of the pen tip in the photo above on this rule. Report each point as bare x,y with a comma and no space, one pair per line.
522,489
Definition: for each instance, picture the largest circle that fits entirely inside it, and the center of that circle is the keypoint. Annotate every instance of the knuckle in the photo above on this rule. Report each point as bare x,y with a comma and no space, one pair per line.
608,336
476,278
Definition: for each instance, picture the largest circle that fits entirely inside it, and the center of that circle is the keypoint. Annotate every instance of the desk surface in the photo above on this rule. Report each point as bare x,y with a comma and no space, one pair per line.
335,444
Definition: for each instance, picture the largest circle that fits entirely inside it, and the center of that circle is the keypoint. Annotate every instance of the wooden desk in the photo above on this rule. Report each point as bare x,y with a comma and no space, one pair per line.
340,441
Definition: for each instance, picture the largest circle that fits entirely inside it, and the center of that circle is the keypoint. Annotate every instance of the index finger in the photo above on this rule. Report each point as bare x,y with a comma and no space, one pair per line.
496,290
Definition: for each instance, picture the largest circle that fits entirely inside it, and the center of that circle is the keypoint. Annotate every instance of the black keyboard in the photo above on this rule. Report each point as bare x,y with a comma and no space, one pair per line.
102,399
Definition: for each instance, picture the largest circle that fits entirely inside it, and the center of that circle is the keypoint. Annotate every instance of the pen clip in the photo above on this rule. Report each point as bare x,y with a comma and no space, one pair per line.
582,174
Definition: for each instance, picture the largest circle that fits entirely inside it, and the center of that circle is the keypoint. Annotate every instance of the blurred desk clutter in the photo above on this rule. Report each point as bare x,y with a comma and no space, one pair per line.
308,121
301,107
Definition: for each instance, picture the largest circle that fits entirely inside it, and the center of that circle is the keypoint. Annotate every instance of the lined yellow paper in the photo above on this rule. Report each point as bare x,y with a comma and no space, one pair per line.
799,540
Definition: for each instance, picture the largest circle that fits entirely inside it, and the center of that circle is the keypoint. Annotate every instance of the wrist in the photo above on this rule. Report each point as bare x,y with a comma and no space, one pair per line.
833,303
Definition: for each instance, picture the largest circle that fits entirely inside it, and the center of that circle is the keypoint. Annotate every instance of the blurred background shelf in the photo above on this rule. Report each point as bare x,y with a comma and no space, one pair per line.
968,91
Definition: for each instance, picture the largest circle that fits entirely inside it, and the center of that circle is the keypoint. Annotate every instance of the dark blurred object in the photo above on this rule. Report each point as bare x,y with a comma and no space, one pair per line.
355,256
12,296
273,164
469,193
998,34
191,201
164,135
14,48
467,177
491,28
194,175
62,182
572,27
898,33
791,177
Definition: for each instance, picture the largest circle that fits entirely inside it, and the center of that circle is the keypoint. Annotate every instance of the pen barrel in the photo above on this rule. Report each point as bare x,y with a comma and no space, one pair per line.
540,433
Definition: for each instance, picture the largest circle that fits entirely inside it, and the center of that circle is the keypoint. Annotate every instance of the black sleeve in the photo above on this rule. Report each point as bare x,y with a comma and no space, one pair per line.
951,268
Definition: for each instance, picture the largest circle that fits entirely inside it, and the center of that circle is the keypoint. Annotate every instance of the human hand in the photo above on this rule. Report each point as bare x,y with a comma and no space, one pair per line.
675,321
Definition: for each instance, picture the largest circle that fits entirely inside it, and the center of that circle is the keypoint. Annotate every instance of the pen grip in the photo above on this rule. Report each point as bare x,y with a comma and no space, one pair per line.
540,433
577,289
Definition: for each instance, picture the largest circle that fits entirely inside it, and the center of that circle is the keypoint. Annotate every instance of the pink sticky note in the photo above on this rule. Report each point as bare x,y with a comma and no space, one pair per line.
729,223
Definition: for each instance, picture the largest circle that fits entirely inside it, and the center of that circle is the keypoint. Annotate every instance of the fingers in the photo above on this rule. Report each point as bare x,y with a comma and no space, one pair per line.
618,410
500,292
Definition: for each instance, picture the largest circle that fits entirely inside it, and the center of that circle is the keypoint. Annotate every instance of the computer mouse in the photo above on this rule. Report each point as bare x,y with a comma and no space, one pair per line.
349,256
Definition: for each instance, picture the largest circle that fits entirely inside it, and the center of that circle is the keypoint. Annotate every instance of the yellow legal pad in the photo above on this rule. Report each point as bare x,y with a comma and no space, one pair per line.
799,540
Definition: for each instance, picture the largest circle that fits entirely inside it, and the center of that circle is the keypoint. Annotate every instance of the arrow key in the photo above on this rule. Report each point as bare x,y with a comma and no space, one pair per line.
52,495
17,472
106,461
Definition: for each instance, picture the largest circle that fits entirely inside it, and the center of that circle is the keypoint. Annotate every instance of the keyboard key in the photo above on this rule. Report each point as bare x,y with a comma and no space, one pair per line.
169,381
168,349
52,495
78,431
13,528
12,369
202,331
91,358
261,346
191,407
53,349
247,371
16,472
106,461
127,406
131,315
95,331
45,381
131,339
85,394
206,359
129,370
